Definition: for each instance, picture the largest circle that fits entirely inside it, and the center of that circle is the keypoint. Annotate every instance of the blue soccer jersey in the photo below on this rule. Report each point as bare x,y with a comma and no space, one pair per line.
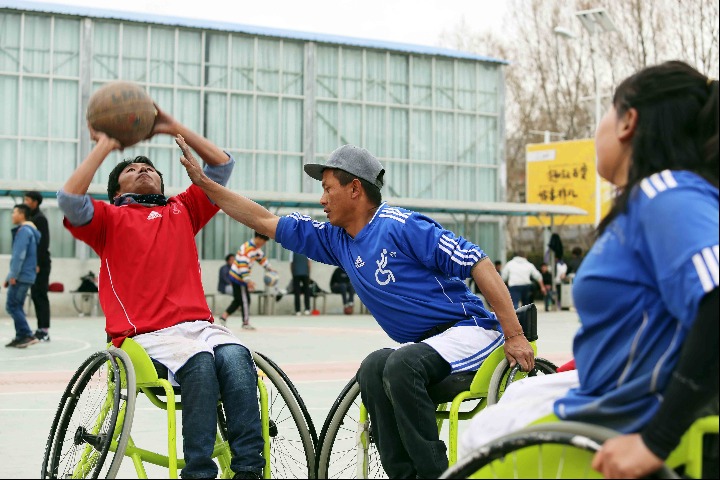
406,268
637,294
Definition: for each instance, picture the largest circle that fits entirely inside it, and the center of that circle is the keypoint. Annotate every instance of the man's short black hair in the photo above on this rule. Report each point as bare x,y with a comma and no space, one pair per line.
373,192
35,195
261,235
113,178
24,209
229,256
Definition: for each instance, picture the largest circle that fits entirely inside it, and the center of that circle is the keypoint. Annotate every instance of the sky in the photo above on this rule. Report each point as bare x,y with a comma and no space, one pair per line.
419,22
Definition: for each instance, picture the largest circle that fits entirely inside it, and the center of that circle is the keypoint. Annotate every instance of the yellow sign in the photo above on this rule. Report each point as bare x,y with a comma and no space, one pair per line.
563,173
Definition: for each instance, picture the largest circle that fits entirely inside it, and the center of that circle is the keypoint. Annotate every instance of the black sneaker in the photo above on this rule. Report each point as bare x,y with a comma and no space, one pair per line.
42,335
23,342
13,343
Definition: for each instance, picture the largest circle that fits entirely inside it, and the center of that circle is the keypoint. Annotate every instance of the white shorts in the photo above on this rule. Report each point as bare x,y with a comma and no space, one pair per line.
465,347
174,346
522,403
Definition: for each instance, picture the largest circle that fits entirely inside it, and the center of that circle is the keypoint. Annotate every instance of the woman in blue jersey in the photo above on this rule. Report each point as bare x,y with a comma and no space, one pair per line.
410,273
653,270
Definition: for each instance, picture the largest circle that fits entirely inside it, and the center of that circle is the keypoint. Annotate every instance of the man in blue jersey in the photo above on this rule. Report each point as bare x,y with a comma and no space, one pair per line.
410,273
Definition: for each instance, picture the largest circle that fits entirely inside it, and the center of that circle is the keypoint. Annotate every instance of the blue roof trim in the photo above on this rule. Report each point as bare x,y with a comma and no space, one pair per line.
248,29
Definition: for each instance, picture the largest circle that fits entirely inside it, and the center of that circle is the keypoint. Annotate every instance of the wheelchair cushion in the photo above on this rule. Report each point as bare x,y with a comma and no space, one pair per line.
448,388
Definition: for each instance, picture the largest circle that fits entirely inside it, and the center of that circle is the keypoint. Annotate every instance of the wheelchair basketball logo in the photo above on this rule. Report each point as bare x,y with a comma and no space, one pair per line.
386,274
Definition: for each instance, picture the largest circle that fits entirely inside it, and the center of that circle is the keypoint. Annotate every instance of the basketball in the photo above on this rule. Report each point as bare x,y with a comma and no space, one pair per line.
270,279
348,310
123,111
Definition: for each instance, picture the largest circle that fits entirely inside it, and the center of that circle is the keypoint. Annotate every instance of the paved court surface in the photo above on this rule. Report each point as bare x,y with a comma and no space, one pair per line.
319,354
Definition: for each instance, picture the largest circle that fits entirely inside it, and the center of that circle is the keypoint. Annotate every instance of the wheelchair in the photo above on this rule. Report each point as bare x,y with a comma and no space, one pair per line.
566,449
90,434
347,447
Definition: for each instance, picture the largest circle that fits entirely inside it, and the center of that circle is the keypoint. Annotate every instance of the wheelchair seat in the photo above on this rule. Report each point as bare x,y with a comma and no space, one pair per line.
451,386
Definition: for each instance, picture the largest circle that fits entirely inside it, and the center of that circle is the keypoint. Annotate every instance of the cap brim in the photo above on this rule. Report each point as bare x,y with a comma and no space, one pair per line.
315,170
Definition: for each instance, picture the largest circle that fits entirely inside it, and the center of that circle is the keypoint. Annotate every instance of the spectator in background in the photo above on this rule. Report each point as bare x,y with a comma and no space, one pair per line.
519,274
498,266
561,269
23,264
248,253
340,283
39,290
300,269
224,282
548,282
574,263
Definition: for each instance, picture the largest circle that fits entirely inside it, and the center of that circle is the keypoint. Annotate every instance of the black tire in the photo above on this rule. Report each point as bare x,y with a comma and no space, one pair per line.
292,440
552,450
504,375
339,451
89,420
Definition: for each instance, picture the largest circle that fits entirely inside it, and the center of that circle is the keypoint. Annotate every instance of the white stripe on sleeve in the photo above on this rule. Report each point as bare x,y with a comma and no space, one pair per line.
647,188
703,273
711,262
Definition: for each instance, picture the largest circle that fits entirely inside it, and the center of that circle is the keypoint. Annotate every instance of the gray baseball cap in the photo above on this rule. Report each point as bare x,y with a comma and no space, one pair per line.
354,160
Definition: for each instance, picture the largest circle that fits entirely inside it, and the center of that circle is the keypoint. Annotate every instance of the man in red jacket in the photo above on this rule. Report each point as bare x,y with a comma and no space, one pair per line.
150,289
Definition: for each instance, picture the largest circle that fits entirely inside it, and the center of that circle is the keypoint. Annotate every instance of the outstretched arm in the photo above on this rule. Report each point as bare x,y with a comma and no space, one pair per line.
235,205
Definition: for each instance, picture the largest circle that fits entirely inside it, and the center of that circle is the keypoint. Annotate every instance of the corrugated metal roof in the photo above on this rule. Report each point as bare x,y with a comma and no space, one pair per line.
247,29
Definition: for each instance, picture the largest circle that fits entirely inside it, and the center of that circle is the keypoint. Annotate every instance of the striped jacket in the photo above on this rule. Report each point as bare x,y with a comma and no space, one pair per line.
248,254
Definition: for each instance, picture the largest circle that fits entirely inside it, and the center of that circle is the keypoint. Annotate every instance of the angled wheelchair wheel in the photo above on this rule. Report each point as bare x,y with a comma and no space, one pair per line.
92,424
347,447
551,450
292,434
504,375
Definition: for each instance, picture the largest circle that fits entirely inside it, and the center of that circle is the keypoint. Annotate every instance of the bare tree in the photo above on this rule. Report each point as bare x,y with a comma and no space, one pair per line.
549,79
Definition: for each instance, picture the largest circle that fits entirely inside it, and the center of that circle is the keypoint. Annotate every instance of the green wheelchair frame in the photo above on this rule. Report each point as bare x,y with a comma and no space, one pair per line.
485,386
555,449
78,447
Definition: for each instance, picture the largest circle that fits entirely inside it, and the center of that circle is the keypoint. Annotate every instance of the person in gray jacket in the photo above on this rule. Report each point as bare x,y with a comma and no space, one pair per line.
23,264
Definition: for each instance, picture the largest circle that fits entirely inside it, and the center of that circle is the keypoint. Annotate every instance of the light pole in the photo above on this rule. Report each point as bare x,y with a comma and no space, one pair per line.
595,21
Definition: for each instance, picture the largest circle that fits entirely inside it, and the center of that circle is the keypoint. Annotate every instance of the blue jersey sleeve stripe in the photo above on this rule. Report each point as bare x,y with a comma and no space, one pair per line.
399,219
706,267
397,211
668,178
711,260
657,182
647,188
454,247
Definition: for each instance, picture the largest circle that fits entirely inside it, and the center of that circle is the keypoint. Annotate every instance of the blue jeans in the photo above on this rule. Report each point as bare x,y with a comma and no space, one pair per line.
393,387
231,375
14,306
522,294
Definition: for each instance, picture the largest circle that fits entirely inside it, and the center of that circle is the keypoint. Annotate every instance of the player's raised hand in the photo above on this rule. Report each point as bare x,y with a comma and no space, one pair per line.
192,166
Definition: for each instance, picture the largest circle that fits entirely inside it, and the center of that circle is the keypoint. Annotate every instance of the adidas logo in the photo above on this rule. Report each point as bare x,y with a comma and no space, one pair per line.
153,215
359,262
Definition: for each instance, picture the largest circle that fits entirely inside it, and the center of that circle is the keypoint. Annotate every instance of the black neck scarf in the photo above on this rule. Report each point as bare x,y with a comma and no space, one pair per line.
151,200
